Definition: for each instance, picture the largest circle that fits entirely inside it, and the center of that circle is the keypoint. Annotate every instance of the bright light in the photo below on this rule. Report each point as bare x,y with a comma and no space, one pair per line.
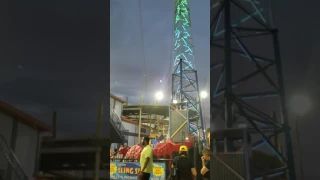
175,101
187,138
203,94
301,104
159,96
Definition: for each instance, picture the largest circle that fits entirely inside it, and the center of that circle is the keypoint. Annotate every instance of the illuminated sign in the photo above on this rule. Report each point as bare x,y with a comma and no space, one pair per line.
130,170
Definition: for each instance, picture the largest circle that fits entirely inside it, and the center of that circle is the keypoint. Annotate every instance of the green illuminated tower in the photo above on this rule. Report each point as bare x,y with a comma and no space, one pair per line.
185,88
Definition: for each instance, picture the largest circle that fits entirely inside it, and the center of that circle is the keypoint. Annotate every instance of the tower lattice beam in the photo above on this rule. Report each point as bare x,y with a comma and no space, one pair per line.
185,87
246,79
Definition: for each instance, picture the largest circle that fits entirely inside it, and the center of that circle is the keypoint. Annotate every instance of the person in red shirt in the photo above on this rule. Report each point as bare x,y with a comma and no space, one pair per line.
123,151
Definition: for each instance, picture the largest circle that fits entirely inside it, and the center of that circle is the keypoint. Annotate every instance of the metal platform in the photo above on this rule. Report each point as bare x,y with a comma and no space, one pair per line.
146,109
150,114
73,153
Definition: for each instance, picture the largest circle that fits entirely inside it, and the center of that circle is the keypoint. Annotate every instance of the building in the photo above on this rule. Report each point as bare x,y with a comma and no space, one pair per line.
116,127
116,104
20,133
133,128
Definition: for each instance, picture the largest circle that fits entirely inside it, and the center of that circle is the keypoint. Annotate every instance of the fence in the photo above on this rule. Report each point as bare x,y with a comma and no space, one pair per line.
228,166
10,162
117,123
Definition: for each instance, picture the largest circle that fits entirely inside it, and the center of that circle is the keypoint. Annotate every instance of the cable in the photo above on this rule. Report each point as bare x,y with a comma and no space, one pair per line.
171,51
142,50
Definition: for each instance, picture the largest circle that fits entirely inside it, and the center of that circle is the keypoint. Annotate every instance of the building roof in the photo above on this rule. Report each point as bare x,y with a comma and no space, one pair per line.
23,117
117,98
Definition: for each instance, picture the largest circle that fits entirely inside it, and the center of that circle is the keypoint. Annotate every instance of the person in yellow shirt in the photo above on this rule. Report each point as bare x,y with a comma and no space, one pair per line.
146,160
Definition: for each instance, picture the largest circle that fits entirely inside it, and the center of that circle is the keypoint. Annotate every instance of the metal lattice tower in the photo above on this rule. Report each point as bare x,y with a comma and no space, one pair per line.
185,88
246,78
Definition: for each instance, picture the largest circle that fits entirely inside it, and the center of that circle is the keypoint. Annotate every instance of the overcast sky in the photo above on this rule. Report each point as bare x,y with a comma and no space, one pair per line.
127,65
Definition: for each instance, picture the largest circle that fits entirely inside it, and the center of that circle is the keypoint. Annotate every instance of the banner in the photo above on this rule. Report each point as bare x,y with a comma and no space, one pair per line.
130,170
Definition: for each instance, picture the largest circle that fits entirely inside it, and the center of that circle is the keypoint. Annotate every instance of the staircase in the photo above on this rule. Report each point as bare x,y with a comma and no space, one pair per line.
13,166
117,130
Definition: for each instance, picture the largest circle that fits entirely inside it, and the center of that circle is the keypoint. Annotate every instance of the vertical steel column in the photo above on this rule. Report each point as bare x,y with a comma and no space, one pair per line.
187,118
292,175
99,134
202,124
181,81
139,130
228,70
246,154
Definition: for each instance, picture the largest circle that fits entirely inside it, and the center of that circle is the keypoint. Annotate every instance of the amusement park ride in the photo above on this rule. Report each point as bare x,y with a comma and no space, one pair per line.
186,124
185,108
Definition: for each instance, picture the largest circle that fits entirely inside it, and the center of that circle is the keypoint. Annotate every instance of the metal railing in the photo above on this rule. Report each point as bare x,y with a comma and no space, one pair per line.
7,155
126,136
117,123
228,166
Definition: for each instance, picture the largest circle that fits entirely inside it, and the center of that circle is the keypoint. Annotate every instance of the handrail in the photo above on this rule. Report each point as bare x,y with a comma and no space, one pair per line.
11,158
116,121
228,167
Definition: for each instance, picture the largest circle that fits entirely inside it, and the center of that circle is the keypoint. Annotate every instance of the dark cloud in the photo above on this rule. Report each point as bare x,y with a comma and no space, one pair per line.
62,47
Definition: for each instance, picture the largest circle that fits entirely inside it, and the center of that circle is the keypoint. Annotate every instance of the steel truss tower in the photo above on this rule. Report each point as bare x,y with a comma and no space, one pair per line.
185,88
246,78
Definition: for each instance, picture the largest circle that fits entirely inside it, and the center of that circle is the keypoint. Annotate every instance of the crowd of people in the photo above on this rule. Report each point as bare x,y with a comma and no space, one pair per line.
118,155
182,167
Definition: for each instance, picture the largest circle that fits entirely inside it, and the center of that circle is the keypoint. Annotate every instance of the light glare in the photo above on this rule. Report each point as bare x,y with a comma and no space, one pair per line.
301,104
203,94
159,96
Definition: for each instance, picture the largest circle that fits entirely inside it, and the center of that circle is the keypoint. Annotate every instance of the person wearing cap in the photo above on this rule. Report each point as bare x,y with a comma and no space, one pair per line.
185,167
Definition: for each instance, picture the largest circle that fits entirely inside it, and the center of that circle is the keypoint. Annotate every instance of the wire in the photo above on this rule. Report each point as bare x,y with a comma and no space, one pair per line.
171,51
169,80
142,50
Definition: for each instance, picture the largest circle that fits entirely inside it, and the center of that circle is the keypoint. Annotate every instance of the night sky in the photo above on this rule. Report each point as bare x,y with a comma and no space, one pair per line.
300,49
54,56
127,67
